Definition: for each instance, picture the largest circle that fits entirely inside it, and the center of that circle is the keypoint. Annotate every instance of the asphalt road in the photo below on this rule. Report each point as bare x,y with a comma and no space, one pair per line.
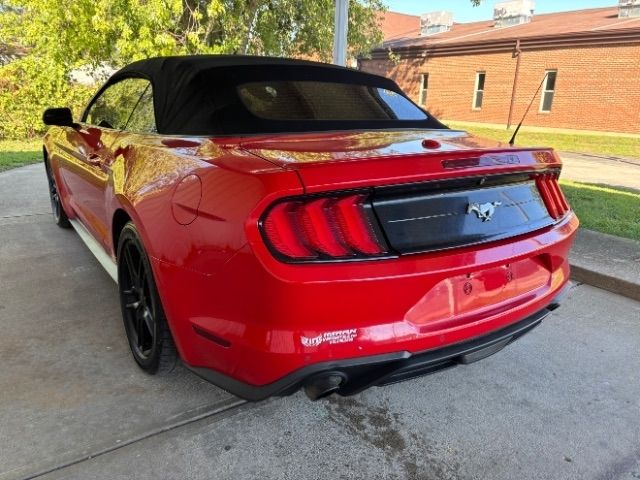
561,403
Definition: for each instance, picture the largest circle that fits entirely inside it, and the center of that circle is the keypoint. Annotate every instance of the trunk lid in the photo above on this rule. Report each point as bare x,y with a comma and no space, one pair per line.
334,160
428,189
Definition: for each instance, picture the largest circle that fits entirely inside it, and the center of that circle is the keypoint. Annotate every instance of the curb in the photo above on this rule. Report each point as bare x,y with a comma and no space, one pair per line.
607,262
606,282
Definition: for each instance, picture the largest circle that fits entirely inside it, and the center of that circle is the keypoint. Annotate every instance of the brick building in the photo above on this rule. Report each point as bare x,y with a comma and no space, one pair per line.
396,25
489,71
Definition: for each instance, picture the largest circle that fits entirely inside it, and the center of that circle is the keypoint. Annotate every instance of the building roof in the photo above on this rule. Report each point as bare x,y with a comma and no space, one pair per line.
396,26
596,23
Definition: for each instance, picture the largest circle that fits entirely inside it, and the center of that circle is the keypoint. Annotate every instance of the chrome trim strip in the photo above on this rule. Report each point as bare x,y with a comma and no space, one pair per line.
92,244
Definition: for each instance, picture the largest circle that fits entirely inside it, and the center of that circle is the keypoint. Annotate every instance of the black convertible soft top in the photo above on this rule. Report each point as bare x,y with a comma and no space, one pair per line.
200,95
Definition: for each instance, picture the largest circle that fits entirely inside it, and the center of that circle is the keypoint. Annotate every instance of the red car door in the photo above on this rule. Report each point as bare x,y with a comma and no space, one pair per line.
88,154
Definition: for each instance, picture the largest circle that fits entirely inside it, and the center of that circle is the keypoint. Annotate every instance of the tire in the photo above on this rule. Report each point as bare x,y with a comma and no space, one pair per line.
144,319
59,215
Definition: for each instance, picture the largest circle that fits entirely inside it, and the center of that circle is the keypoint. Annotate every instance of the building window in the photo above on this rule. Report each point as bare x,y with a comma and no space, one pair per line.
549,90
479,90
424,86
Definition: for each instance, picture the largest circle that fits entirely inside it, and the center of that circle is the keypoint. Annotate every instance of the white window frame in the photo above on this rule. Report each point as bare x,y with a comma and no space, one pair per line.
545,90
476,91
423,93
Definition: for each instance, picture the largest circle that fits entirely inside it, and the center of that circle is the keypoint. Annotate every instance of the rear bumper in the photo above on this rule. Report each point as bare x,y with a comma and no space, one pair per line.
358,374
254,326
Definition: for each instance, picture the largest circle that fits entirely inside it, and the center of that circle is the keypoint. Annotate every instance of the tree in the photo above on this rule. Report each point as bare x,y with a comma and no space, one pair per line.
62,35
90,32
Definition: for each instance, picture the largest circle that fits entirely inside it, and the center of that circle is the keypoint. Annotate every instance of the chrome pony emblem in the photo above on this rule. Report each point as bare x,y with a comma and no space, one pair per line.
484,210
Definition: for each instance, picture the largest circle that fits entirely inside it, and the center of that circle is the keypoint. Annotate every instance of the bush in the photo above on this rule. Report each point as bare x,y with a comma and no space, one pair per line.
30,85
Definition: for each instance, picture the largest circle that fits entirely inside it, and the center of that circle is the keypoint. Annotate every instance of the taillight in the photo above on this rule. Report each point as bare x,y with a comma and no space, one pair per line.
282,230
356,225
552,195
324,228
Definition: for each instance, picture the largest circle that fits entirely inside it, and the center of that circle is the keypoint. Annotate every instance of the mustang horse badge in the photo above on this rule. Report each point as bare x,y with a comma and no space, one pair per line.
484,210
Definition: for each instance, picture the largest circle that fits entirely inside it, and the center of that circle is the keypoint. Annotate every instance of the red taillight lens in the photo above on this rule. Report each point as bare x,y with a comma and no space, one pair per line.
545,191
563,205
552,195
320,229
355,225
280,228
323,229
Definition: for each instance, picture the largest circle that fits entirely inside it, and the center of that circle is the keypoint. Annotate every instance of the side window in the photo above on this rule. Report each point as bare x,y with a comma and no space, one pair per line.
478,94
143,119
424,88
549,90
114,106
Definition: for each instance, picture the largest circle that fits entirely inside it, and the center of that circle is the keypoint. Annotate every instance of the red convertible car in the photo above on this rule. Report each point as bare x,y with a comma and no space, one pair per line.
281,224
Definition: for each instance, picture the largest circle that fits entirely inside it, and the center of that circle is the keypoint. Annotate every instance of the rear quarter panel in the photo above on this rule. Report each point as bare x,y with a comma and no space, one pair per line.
229,184
204,228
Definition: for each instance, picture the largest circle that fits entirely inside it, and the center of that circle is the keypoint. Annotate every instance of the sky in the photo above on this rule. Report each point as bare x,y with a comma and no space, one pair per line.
463,11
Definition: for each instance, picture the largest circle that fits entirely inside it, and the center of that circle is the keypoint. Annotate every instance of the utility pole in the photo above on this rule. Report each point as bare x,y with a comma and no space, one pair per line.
340,33
517,53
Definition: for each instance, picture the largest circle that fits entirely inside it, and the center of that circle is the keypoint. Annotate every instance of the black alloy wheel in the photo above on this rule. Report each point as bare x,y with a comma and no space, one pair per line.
144,319
59,215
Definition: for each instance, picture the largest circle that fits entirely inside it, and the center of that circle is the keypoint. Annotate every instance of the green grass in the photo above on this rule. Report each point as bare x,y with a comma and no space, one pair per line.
606,209
583,143
16,153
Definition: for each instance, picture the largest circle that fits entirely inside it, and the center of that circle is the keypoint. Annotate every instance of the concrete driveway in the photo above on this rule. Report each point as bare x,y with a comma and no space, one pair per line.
601,169
561,403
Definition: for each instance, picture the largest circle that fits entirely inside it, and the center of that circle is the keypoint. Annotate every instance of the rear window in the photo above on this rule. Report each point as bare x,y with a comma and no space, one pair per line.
211,95
326,101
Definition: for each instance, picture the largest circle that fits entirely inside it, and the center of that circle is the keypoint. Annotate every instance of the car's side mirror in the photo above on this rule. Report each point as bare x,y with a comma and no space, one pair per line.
60,117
